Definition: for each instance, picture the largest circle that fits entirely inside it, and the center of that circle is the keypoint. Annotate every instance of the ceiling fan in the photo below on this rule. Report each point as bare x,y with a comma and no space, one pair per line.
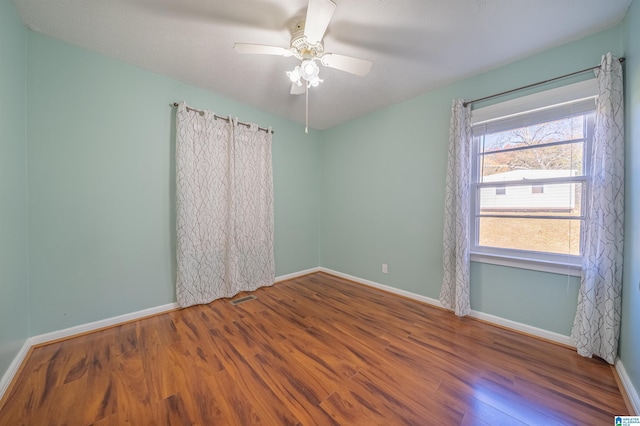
308,46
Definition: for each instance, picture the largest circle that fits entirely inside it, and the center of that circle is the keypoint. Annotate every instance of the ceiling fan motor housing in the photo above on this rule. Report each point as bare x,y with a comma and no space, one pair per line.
301,45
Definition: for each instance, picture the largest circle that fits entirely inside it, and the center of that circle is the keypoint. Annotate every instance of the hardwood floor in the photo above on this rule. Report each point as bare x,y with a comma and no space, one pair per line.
313,350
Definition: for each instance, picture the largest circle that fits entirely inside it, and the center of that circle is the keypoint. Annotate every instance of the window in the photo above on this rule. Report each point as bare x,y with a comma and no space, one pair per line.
528,183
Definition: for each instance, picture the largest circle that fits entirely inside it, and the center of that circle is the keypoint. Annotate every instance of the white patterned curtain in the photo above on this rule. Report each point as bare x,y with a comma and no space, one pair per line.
224,197
454,293
596,327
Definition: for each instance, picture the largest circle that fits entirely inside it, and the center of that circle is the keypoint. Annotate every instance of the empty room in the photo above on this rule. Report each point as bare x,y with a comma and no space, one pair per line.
376,212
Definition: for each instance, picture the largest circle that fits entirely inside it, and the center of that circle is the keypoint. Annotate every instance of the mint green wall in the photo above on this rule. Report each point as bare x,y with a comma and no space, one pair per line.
541,299
101,185
383,181
630,331
14,288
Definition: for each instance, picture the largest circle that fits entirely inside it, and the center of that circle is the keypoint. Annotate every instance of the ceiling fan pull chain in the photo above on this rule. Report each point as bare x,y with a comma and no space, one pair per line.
306,118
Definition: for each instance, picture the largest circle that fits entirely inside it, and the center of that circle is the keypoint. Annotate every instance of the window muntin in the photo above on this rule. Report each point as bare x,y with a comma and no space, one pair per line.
529,179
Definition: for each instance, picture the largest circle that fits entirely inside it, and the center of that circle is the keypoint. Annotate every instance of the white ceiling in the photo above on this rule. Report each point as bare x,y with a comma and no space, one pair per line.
415,45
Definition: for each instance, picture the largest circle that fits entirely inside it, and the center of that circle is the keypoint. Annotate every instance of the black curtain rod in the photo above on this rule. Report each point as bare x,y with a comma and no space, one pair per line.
217,117
534,84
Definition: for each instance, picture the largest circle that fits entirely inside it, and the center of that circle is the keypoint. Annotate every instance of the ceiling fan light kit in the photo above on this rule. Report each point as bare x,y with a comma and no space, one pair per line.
308,71
307,45
295,76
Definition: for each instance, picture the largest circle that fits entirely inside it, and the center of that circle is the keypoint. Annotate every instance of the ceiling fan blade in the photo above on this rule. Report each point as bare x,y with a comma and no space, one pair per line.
319,14
298,90
349,64
261,49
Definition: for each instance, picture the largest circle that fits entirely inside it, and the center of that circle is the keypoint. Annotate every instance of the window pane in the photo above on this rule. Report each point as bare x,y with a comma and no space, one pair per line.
533,163
521,163
565,129
560,236
557,199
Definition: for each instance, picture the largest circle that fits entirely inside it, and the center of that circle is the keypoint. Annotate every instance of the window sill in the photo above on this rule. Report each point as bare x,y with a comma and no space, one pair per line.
531,264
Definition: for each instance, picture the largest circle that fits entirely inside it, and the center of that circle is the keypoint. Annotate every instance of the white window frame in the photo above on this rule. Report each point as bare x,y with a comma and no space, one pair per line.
547,262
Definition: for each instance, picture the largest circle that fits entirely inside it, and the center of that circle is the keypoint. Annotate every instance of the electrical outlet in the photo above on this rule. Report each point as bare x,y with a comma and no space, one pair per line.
384,268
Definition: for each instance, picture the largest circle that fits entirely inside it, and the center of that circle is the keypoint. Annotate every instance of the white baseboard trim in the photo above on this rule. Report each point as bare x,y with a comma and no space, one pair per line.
524,328
72,331
296,275
632,392
503,322
14,366
107,322
96,325
83,328
387,288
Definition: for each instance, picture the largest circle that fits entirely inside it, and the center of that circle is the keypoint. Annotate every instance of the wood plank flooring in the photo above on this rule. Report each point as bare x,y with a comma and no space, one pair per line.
314,350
